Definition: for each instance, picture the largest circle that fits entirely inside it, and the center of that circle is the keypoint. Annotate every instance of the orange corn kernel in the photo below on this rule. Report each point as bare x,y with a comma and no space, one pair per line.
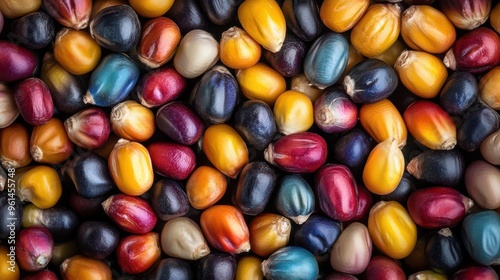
225,229
50,143
430,125
205,187
237,49
84,268
132,121
14,146
76,51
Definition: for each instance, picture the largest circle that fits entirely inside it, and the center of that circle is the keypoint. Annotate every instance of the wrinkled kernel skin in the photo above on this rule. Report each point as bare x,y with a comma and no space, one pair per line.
34,101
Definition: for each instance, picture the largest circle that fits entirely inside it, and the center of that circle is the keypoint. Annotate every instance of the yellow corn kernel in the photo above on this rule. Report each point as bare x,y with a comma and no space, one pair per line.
495,18
261,82
425,28
264,21
488,88
131,168
381,120
342,15
421,73
427,274
391,54
430,125
392,230
268,233
237,49
151,8
384,167
18,8
293,112
76,51
8,267
225,149
132,121
249,269
377,30
40,185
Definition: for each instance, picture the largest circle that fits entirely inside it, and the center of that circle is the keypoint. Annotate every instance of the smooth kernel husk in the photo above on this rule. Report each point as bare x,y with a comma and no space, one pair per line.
225,149
182,238
159,39
132,121
293,112
424,28
14,148
422,73
205,186
131,168
225,229
382,120
342,15
392,230
264,21
237,49
41,186
261,82
430,125
384,167
50,143
85,268
377,30
76,51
